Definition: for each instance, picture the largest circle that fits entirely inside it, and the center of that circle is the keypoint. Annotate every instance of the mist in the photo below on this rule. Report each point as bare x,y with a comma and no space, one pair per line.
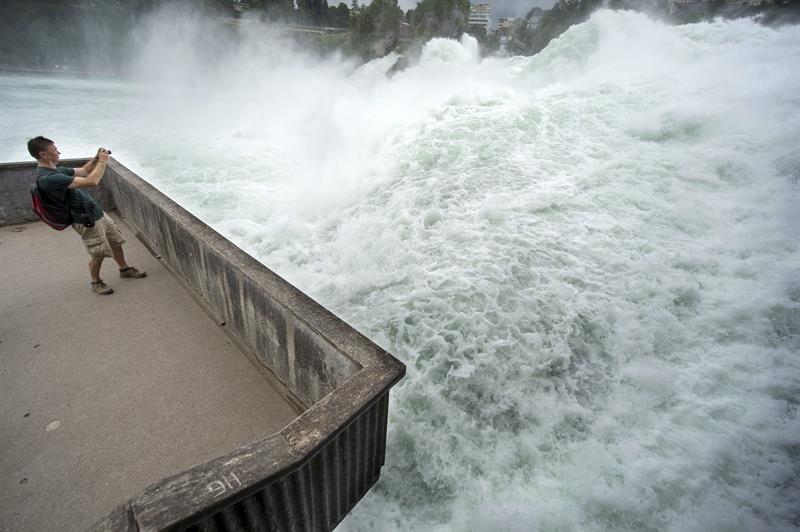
587,259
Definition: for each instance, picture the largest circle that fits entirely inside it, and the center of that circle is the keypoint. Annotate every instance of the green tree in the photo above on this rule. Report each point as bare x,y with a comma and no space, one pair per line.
440,18
339,16
321,13
376,28
275,10
553,22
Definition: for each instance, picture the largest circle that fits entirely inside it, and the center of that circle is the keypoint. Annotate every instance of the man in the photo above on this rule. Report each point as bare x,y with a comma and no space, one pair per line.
97,229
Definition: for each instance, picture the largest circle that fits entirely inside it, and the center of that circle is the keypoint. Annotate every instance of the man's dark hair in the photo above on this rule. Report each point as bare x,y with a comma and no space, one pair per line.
37,145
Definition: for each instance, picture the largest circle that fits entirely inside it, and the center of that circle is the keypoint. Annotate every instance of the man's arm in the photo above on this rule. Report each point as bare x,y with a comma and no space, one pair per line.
94,176
87,168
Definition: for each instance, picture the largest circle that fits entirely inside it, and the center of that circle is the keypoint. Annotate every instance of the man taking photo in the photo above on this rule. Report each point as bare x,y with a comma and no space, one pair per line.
97,229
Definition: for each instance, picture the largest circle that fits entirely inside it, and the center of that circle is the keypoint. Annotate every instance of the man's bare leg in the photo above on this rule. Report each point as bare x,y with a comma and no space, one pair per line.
125,271
119,256
98,286
94,268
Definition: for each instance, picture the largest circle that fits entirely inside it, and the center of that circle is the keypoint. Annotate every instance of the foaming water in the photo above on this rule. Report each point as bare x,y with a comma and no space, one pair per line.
587,259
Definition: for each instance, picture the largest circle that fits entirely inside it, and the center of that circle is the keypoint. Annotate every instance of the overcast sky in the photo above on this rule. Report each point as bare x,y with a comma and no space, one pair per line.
500,8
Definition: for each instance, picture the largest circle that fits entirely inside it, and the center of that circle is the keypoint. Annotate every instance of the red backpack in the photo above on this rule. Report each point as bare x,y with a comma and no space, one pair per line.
51,210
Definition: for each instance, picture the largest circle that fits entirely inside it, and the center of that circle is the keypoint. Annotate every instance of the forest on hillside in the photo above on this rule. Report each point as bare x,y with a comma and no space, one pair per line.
95,35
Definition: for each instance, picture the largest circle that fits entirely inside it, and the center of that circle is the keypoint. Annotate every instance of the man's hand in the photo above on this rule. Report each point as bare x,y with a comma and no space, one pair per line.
92,172
84,171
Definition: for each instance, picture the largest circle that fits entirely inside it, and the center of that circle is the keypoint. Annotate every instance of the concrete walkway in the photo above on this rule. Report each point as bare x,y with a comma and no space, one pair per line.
102,395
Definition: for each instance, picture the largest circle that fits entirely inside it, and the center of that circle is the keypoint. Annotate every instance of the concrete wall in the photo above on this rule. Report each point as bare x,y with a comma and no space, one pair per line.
15,196
276,322
309,475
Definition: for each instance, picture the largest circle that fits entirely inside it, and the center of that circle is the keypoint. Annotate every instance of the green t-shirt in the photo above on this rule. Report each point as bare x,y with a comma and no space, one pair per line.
55,183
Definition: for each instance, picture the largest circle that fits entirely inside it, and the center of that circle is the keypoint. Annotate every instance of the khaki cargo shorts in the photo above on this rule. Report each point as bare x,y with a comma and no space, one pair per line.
99,239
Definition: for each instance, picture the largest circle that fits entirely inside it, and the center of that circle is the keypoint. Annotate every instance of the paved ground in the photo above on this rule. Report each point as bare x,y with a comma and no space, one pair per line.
102,395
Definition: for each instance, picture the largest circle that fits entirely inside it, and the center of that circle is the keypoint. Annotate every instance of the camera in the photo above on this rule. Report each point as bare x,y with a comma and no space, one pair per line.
86,220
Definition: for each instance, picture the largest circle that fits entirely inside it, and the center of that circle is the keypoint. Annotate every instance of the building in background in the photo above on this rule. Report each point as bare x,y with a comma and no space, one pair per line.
479,16
534,17
241,5
405,34
505,28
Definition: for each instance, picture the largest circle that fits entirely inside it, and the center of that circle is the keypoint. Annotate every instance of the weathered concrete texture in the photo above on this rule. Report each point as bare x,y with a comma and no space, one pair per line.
267,486
15,196
100,396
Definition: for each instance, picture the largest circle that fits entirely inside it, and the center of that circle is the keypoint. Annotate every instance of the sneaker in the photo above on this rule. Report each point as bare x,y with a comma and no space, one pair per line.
99,287
131,273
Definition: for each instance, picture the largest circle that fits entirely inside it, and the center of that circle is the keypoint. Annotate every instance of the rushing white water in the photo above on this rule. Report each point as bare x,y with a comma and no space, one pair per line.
587,259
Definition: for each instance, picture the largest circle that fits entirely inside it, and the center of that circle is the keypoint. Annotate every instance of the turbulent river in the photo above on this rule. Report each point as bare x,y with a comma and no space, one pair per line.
588,259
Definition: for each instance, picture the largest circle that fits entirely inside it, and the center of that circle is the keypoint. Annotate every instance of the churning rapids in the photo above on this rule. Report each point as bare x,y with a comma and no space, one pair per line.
587,259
